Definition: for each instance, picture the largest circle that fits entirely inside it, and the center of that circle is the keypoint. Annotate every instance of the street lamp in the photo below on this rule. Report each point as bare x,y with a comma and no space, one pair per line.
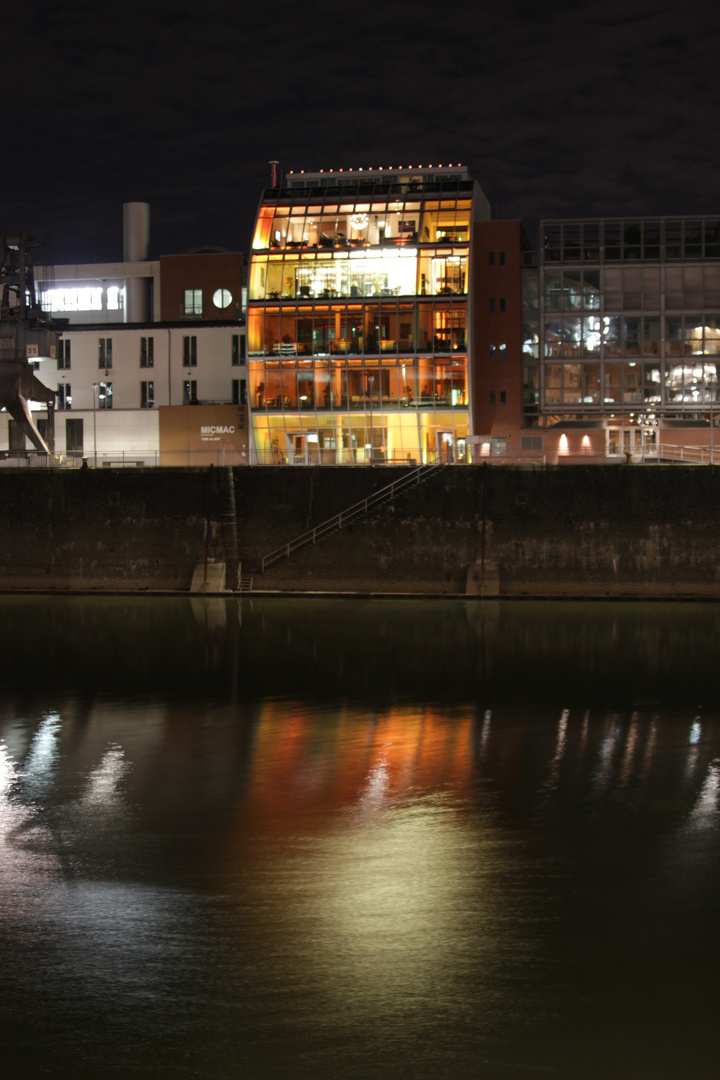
95,386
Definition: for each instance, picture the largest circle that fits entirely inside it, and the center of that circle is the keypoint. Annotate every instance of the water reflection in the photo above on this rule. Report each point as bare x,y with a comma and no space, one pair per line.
363,878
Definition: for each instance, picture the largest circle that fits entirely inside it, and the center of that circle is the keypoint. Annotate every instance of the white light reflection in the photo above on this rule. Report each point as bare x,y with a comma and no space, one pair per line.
102,785
705,812
396,902
377,788
693,751
42,758
552,780
627,763
607,750
23,869
485,733
649,751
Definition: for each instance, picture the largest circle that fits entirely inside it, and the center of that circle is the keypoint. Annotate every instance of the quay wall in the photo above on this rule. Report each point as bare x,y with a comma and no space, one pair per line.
110,529
559,531
616,530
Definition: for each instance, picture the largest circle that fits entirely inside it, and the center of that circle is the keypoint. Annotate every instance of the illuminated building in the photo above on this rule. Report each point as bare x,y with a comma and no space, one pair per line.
361,311
141,335
621,335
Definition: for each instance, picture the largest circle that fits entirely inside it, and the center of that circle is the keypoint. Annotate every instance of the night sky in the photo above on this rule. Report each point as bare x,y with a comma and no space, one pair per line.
559,109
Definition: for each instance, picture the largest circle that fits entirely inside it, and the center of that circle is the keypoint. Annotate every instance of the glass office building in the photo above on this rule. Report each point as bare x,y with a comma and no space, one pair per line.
359,316
621,319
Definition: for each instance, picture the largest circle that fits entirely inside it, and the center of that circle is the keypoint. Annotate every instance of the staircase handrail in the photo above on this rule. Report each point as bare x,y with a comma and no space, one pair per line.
337,520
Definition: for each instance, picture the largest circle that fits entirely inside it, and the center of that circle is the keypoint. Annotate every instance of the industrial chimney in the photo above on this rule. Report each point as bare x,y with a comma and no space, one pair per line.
136,248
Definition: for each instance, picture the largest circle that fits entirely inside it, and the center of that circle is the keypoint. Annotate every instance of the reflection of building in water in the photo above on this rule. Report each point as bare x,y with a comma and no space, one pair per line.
347,758
305,765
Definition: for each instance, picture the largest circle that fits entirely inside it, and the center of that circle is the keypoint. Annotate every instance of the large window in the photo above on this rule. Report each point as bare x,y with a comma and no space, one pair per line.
63,361
238,349
353,383
74,436
386,327
147,352
369,223
193,307
190,351
105,352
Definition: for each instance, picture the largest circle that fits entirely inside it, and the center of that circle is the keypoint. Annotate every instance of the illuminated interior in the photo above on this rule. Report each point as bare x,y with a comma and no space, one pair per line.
357,330
638,330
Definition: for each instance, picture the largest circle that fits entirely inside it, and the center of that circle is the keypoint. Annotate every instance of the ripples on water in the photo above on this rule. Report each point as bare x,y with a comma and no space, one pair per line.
304,839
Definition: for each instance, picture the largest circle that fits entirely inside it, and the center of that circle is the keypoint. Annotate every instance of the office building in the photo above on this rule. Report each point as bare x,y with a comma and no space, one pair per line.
621,335
362,307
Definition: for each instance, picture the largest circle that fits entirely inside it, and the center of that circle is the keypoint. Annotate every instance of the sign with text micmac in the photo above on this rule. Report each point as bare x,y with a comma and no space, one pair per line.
203,434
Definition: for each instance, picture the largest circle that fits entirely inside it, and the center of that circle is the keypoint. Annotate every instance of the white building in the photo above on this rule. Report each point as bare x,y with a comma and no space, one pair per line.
139,335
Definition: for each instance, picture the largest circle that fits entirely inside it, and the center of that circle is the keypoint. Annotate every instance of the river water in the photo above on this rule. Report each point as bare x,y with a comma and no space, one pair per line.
280,839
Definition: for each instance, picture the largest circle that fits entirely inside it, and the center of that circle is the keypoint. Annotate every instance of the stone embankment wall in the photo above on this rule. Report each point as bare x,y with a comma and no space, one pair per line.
111,529
564,531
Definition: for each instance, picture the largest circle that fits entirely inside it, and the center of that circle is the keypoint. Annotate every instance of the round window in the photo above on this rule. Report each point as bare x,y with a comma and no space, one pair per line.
222,298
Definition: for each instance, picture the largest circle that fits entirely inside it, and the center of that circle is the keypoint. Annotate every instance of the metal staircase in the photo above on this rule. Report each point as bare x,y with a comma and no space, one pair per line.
338,520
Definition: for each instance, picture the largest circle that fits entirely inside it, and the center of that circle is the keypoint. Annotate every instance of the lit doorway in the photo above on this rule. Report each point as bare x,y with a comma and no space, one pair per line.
638,442
446,447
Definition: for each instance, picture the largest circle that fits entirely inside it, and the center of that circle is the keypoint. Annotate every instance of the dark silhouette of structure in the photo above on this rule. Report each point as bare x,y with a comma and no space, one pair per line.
27,335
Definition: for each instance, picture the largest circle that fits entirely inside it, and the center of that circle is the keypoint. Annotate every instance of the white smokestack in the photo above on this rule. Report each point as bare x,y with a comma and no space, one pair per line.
136,248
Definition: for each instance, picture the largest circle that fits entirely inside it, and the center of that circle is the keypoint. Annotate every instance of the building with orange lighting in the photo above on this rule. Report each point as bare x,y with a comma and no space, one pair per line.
384,319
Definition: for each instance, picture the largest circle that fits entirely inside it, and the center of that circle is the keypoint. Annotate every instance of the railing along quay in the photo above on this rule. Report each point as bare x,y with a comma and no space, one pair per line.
664,453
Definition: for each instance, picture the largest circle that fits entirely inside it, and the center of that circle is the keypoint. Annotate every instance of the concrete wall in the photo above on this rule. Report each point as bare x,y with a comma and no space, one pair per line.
567,531
109,529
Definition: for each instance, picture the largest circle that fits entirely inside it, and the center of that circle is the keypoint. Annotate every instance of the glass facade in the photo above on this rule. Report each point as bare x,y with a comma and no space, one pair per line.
358,320
622,316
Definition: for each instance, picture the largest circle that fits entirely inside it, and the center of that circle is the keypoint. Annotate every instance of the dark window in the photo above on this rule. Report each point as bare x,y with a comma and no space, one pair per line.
491,351
147,352
502,303
243,392
503,398
105,395
190,392
64,396
502,351
502,258
492,398
105,352
531,442
63,354
236,391
74,436
492,305
190,351
235,349
491,258
147,395
16,436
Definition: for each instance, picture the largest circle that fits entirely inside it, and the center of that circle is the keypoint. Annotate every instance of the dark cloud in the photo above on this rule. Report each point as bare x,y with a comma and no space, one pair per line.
559,109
